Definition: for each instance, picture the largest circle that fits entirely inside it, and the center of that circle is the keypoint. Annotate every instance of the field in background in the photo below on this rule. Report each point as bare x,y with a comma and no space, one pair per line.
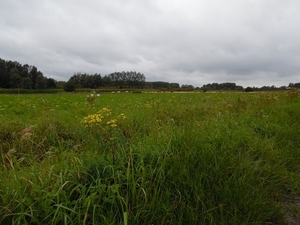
145,158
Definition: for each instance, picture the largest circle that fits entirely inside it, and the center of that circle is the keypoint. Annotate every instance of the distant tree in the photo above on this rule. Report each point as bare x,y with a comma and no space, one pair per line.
187,86
206,87
97,80
125,79
26,83
106,81
15,75
221,86
69,86
249,89
33,75
265,88
76,79
4,77
24,71
160,84
11,65
60,84
15,79
282,87
41,82
174,85
51,83
239,88
294,85
116,79
90,82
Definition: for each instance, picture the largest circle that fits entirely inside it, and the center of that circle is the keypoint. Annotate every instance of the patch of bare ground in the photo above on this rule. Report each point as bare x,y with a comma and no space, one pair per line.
292,210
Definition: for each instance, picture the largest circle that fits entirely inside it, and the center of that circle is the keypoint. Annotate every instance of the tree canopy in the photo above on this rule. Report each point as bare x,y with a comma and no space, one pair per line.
123,79
15,75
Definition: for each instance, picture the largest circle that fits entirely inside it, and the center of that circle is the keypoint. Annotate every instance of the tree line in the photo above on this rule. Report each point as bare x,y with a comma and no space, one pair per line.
221,86
129,79
294,85
15,75
233,86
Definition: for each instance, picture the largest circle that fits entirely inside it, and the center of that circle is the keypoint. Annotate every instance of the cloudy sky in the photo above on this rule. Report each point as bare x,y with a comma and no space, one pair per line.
249,42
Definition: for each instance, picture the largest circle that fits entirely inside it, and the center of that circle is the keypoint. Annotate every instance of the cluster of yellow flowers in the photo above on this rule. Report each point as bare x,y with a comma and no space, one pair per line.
105,112
102,118
95,118
112,123
122,116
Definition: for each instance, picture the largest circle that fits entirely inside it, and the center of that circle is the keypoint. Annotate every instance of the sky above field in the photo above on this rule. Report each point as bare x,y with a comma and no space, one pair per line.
249,42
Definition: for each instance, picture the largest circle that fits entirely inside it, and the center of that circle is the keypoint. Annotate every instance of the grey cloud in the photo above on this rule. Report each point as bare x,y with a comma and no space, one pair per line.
250,43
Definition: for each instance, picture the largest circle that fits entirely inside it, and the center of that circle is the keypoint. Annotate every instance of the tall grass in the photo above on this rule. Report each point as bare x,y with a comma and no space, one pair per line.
213,158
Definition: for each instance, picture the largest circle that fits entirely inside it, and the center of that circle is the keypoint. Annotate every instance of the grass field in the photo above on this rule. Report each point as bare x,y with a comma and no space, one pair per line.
164,158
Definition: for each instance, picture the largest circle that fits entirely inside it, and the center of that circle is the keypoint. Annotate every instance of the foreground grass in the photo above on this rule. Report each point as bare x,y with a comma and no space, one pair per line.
219,158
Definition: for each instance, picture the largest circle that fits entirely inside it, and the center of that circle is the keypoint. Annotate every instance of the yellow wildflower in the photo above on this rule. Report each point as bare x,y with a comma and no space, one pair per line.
122,116
105,111
112,123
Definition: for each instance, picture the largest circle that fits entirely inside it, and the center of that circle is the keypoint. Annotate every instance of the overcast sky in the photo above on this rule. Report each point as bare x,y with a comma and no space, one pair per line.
249,42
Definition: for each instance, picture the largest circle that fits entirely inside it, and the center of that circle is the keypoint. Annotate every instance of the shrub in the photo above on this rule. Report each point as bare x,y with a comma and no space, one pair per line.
249,89
69,86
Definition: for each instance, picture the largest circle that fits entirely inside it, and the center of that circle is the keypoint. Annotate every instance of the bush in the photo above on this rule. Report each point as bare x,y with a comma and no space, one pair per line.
249,89
69,86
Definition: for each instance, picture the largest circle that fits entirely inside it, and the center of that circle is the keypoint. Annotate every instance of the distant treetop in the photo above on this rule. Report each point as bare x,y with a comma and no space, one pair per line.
15,75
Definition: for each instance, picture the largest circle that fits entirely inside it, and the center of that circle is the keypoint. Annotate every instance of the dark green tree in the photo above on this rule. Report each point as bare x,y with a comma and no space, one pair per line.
106,81
174,85
33,75
249,89
51,83
187,86
4,76
15,79
24,71
69,86
26,83
41,82
15,75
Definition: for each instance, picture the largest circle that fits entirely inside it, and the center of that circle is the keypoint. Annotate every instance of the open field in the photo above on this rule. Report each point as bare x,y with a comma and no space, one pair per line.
165,158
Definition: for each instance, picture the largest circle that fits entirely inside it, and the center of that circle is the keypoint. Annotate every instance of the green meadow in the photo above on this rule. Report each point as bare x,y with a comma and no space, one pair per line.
150,158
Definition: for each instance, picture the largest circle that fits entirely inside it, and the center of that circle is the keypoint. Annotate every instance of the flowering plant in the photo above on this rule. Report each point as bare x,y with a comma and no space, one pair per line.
91,98
104,123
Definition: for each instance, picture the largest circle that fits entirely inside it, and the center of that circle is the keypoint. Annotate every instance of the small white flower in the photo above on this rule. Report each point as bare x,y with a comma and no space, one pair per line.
92,95
98,95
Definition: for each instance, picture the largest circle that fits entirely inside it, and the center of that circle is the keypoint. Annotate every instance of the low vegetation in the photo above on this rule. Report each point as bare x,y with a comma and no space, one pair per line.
149,158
